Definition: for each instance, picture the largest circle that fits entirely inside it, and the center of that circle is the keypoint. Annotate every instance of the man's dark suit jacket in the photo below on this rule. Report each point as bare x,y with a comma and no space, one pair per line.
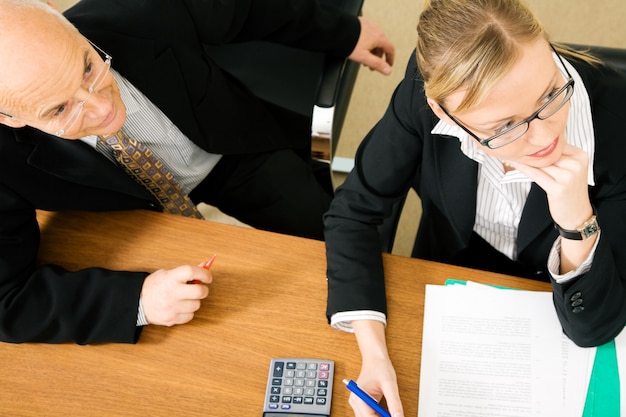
158,46
401,152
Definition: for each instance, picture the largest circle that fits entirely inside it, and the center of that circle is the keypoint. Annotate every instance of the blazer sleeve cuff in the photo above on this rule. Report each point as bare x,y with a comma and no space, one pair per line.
554,262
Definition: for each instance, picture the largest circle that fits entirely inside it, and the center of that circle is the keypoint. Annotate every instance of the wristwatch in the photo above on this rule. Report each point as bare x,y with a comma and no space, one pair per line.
588,229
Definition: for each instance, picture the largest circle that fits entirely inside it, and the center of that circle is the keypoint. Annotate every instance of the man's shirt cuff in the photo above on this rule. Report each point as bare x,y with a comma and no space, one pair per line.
141,316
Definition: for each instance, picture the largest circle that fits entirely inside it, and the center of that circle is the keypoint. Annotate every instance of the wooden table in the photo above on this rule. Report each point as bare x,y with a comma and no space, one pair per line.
267,300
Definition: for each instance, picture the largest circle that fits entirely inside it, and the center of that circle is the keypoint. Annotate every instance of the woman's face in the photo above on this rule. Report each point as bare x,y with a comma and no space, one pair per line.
532,80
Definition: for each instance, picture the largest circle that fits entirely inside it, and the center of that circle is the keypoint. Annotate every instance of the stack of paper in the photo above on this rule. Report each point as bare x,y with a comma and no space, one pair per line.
497,352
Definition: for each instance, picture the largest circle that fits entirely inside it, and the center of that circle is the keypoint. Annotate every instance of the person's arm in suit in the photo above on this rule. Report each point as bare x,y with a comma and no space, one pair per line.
591,306
386,164
301,24
49,304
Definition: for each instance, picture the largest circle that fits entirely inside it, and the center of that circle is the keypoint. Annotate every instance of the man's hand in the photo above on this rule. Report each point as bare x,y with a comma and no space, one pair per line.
372,46
168,299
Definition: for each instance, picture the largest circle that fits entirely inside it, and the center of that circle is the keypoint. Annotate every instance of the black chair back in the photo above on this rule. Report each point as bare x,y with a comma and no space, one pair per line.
615,57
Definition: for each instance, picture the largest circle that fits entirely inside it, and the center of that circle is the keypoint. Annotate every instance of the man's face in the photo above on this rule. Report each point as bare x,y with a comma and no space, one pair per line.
49,85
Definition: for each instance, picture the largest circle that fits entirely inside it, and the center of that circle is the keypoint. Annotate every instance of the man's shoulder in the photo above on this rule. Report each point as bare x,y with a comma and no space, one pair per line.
130,17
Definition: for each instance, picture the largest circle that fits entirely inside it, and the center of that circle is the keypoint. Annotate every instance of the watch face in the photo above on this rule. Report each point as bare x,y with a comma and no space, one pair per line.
590,229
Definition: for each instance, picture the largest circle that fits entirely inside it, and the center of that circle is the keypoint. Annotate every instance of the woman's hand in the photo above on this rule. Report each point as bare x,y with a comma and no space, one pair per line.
377,376
566,185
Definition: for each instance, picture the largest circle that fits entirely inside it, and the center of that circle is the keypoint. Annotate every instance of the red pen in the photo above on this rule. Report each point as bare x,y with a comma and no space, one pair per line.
207,266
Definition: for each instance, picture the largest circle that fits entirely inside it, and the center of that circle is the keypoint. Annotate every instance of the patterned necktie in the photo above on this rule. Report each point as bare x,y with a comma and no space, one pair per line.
142,165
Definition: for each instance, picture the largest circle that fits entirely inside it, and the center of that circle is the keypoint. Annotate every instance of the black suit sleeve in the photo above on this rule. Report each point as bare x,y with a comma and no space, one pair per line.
299,23
386,163
49,304
592,307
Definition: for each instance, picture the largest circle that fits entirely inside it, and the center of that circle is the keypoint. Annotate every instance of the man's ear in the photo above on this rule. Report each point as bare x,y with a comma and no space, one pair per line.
11,121
436,108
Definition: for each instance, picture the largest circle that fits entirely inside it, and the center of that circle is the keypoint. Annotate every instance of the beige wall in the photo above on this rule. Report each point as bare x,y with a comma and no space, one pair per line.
64,4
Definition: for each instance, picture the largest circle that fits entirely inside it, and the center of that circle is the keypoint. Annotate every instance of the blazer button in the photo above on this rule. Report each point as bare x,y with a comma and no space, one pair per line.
577,302
575,296
578,309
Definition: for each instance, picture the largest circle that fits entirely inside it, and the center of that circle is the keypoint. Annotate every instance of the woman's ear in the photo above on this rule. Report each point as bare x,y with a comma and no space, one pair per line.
436,108
10,121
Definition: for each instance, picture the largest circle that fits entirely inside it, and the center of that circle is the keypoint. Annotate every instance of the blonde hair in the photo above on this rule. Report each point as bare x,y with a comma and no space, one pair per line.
471,44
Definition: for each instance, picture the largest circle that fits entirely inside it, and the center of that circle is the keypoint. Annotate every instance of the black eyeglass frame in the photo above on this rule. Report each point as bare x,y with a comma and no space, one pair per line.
487,142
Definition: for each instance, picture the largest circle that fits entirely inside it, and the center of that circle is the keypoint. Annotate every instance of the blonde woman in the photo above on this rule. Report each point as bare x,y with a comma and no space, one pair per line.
515,147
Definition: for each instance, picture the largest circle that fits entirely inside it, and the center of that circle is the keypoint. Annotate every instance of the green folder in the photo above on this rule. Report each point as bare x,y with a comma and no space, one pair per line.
603,392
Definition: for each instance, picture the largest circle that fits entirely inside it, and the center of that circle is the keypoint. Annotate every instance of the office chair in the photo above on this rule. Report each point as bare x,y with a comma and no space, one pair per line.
615,57
308,83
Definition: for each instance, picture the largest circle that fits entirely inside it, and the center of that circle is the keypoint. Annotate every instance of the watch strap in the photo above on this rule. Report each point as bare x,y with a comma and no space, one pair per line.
588,229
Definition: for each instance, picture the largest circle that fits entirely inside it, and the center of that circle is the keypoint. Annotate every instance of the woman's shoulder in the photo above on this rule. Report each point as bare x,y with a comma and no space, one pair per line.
408,102
599,76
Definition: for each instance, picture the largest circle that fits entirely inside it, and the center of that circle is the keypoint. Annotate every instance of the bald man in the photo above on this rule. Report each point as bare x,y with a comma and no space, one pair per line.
135,67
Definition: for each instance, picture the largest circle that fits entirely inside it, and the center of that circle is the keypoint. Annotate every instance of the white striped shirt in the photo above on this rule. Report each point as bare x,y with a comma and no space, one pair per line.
501,196
147,124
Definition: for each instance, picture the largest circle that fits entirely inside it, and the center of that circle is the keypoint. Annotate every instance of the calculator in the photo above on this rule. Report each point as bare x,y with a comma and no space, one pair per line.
299,387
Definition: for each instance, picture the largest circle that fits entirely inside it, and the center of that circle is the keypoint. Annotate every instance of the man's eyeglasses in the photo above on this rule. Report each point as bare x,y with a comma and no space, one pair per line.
509,134
94,80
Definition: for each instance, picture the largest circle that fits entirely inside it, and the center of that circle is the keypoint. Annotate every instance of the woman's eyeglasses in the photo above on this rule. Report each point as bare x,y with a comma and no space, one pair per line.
510,134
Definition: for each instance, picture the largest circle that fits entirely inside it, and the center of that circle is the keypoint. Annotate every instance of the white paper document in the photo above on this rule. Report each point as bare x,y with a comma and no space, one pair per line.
495,352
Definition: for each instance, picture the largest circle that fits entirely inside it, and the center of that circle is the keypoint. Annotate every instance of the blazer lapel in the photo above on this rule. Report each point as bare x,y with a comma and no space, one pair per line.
456,178
76,161
536,220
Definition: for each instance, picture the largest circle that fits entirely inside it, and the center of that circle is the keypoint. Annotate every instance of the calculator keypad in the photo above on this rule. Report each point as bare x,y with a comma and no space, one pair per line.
300,386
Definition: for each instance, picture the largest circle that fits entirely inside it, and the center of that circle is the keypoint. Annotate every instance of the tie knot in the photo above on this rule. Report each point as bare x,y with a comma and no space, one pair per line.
117,137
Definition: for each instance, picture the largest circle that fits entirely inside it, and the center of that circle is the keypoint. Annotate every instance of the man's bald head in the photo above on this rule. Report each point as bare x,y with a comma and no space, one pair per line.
32,35
48,72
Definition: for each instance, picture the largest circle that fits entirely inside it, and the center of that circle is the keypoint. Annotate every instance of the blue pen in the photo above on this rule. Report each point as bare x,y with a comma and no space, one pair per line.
352,386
